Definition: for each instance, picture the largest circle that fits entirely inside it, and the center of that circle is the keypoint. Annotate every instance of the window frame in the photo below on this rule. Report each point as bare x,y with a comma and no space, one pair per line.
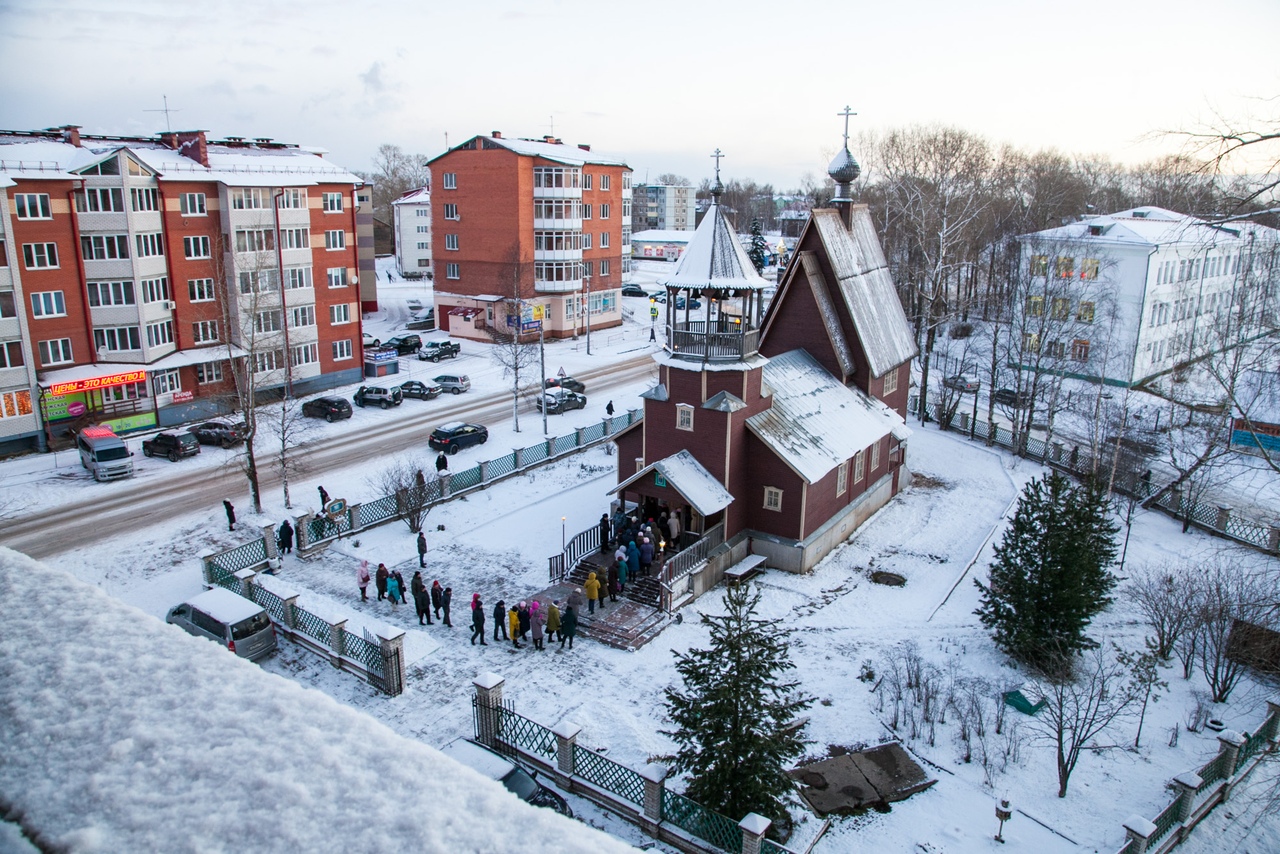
451,242
449,180
342,350
193,204
773,499
45,351
452,271
22,206
33,252
48,304
684,417
340,314
335,240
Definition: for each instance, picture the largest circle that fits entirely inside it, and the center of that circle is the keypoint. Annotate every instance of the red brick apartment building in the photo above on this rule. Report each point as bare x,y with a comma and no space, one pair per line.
134,269
526,231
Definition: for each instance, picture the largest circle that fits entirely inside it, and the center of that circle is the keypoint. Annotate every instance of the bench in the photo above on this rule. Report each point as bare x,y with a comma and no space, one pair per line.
745,568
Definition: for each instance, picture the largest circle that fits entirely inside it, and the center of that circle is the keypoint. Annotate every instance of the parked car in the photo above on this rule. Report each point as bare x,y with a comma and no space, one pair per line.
221,432
456,435
558,400
420,390
634,291
175,446
329,408
565,382
434,351
518,780
680,300
376,395
230,620
1009,397
405,345
962,383
368,340
453,383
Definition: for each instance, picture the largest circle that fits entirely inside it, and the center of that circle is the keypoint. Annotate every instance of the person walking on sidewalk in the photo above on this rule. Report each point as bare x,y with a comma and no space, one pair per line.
380,580
422,550
362,579
324,497
593,592
553,620
477,620
284,537
393,590
442,464
445,599
437,597
500,621
400,585
513,620
421,599
231,514
535,624
568,626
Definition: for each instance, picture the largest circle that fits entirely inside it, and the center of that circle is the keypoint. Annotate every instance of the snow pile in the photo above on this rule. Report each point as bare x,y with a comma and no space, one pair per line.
123,734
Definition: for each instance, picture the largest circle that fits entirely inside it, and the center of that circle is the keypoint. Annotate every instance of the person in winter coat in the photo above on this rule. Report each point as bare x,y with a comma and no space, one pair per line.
393,590
633,558
284,537
500,621
442,463
621,553
536,621
619,521
673,525
445,599
522,611
421,599
231,514
362,579
513,620
612,577
324,497
646,556
437,596
576,600
553,620
604,533
608,409
477,620
621,566
380,579
593,592
400,585
568,626
422,550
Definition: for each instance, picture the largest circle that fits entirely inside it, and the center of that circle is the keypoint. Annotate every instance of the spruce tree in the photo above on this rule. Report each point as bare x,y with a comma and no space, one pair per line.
1051,573
759,247
735,717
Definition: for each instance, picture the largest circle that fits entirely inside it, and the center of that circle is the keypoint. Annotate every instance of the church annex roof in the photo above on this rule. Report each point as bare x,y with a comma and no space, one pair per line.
686,476
815,422
715,258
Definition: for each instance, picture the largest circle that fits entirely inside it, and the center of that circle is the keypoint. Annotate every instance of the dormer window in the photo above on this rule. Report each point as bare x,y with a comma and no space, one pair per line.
684,416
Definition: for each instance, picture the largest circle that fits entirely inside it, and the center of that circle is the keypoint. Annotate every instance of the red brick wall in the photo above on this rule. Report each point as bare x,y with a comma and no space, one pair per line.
494,196
321,260
181,270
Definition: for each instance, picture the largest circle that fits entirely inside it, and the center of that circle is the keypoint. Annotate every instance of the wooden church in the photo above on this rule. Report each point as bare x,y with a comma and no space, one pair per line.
784,425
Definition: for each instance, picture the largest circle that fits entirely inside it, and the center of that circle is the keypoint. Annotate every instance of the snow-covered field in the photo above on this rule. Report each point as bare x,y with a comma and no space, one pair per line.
939,535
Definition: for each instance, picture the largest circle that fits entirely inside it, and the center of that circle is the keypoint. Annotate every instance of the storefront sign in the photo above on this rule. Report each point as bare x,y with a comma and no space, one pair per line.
380,355
183,396
132,422
127,378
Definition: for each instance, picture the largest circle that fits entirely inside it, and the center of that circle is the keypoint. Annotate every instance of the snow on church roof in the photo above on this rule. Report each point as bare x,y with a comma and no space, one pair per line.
686,476
815,423
863,280
715,258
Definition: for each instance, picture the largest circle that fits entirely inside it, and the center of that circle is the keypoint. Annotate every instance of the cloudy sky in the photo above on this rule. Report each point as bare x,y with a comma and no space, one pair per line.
661,82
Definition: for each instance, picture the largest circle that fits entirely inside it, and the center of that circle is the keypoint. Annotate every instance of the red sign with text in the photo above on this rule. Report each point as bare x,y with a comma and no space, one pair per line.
98,382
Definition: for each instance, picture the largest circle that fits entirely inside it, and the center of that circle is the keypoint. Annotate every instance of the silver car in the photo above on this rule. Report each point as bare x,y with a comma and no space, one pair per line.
230,620
453,383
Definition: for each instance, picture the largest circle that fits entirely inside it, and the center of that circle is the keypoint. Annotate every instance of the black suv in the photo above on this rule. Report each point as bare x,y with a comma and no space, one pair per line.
222,433
373,395
175,446
568,383
455,436
405,345
558,400
329,408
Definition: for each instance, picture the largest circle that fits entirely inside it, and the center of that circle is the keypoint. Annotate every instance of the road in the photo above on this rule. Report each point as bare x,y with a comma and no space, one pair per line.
52,531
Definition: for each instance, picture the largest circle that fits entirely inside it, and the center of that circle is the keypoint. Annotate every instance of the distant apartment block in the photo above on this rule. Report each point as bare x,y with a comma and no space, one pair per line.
664,207
412,213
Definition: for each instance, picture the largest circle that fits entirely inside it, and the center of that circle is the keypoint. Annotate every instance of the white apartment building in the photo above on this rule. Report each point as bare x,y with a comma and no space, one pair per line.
412,213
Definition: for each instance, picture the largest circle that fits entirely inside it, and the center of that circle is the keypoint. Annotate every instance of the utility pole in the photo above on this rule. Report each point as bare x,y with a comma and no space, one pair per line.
587,308
542,367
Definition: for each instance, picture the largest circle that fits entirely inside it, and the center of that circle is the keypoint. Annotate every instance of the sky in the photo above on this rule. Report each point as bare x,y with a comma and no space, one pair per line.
662,83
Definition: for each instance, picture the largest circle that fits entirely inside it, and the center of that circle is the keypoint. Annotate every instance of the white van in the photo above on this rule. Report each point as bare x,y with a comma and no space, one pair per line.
104,453
227,619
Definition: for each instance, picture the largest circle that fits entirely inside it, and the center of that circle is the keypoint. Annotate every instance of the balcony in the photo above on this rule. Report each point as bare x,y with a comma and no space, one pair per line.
722,340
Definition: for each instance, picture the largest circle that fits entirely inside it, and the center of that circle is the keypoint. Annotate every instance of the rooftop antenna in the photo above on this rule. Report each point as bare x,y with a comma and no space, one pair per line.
168,127
552,126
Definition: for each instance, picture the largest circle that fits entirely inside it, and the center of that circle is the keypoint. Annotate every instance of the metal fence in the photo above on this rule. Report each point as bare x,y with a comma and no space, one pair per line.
609,775
693,818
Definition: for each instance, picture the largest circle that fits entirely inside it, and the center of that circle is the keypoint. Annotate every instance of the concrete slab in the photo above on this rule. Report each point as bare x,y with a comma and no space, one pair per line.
892,771
852,782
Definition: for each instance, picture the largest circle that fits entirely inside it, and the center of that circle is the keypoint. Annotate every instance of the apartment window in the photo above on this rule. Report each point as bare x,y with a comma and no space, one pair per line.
271,360
560,209
1061,308
890,382
295,238
33,206
40,256
604,237
106,167
626,180
586,212
55,352
859,466
588,268
200,290
425,212
303,316
604,183
8,308
15,403
249,198
424,229
424,244
166,382
1084,312
604,268
209,372
196,247
144,198
336,239
1055,350
11,355
450,180
136,169
555,176
204,331
256,240
104,247
337,277
1039,265
875,456
1065,267
149,245
604,211
110,293
626,213
292,199
297,277
192,204
451,241
842,478
159,333
558,241
586,240
1030,342
452,271
267,321
258,282
113,340
684,416
586,181
773,499
155,290
48,304
1035,306
304,355
341,350
1080,350
557,271
339,314
4,253
1089,268
424,262
100,200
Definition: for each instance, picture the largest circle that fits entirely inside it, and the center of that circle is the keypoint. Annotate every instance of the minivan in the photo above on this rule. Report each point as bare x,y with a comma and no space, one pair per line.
225,618
517,779
104,453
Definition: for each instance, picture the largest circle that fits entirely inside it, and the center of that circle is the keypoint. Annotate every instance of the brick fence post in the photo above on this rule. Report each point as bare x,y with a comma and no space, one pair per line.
206,569
1139,830
754,827
337,642
1186,784
578,436
1229,744
484,471
246,577
519,452
566,733
392,648
1224,514
290,611
655,786
269,540
353,518
1273,540
302,528
488,707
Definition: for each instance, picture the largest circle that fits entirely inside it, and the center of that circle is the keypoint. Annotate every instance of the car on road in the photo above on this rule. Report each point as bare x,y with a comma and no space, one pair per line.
329,408
680,301
453,383
456,435
558,400
420,390
367,340
565,382
634,291
405,345
376,395
1009,397
175,446
220,432
517,779
962,383
434,351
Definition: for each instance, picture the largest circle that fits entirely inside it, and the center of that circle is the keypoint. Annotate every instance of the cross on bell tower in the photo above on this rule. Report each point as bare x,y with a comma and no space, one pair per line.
717,188
846,112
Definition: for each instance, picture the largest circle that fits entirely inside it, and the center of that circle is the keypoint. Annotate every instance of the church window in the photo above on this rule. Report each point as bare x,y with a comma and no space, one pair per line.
684,416
875,456
859,466
773,499
891,381
842,478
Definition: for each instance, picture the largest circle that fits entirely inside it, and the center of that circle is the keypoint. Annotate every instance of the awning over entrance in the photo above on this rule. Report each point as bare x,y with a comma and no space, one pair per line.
686,476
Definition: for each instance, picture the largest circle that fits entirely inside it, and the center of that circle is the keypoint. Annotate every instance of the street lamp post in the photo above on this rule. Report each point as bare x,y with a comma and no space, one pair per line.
587,309
653,318
562,532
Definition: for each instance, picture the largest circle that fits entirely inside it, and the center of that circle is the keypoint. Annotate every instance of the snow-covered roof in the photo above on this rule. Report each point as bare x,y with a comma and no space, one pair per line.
662,235
123,734
815,422
224,606
865,285
686,476
420,196
1149,226
715,258
570,155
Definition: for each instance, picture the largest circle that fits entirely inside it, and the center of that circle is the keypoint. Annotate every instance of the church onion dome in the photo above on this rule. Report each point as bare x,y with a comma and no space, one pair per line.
715,260
844,169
